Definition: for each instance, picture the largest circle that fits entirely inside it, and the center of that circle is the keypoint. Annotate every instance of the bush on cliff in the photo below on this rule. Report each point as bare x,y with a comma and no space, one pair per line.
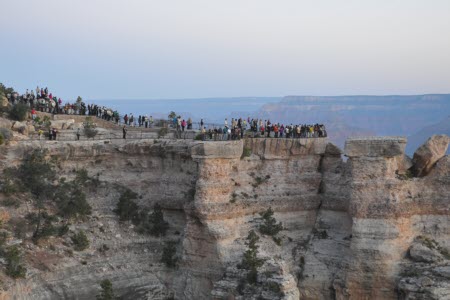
14,266
34,176
83,180
107,292
246,152
80,241
89,128
251,262
163,132
146,222
13,261
71,200
270,225
169,254
153,223
47,228
127,209
44,123
19,112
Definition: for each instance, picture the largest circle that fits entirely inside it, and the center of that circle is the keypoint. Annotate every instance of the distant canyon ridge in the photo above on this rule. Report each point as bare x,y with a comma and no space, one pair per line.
416,117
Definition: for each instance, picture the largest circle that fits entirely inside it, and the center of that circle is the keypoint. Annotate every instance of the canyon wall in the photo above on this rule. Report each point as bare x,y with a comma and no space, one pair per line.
348,226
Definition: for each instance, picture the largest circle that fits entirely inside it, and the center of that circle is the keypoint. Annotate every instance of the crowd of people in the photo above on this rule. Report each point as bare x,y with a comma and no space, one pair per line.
45,101
259,128
142,121
42,100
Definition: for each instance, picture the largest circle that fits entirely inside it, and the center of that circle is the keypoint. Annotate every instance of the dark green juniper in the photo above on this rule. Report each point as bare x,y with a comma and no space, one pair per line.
251,261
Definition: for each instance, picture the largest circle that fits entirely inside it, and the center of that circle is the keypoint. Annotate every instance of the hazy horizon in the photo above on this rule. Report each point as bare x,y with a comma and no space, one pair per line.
262,97
198,49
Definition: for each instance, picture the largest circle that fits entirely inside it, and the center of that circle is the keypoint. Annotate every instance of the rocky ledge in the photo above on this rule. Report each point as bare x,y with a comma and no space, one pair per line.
372,227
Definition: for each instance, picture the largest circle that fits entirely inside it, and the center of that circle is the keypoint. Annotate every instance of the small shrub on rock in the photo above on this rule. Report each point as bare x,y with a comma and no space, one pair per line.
46,227
127,209
247,152
19,112
162,132
107,292
14,266
169,254
80,241
43,123
89,128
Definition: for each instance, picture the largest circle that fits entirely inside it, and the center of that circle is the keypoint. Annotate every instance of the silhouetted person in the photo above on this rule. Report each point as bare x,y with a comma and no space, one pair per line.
124,130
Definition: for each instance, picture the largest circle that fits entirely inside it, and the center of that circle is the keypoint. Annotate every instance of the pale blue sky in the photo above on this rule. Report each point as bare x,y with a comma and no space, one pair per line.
202,48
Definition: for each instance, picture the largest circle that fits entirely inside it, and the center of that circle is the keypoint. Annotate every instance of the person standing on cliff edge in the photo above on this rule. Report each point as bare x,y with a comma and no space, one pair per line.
54,132
124,130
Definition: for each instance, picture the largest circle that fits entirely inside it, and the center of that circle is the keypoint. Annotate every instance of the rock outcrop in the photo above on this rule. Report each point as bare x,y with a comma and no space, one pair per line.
62,124
351,230
24,128
4,103
5,123
429,153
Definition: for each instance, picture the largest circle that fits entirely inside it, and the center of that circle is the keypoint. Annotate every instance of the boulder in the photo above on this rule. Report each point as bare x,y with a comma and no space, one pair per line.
5,123
62,124
421,253
3,101
17,124
21,127
31,128
429,153
75,126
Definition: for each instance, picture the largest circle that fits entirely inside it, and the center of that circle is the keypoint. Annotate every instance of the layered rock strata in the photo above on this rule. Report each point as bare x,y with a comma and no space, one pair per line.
348,225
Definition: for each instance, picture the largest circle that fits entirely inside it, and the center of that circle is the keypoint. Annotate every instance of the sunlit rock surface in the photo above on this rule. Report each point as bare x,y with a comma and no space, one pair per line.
359,229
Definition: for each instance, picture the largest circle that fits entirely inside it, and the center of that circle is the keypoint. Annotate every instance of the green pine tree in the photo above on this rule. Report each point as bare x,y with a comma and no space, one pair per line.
251,261
127,209
270,226
107,292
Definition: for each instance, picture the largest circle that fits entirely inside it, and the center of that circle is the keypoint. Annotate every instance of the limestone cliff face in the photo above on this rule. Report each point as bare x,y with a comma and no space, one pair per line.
348,226
388,212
